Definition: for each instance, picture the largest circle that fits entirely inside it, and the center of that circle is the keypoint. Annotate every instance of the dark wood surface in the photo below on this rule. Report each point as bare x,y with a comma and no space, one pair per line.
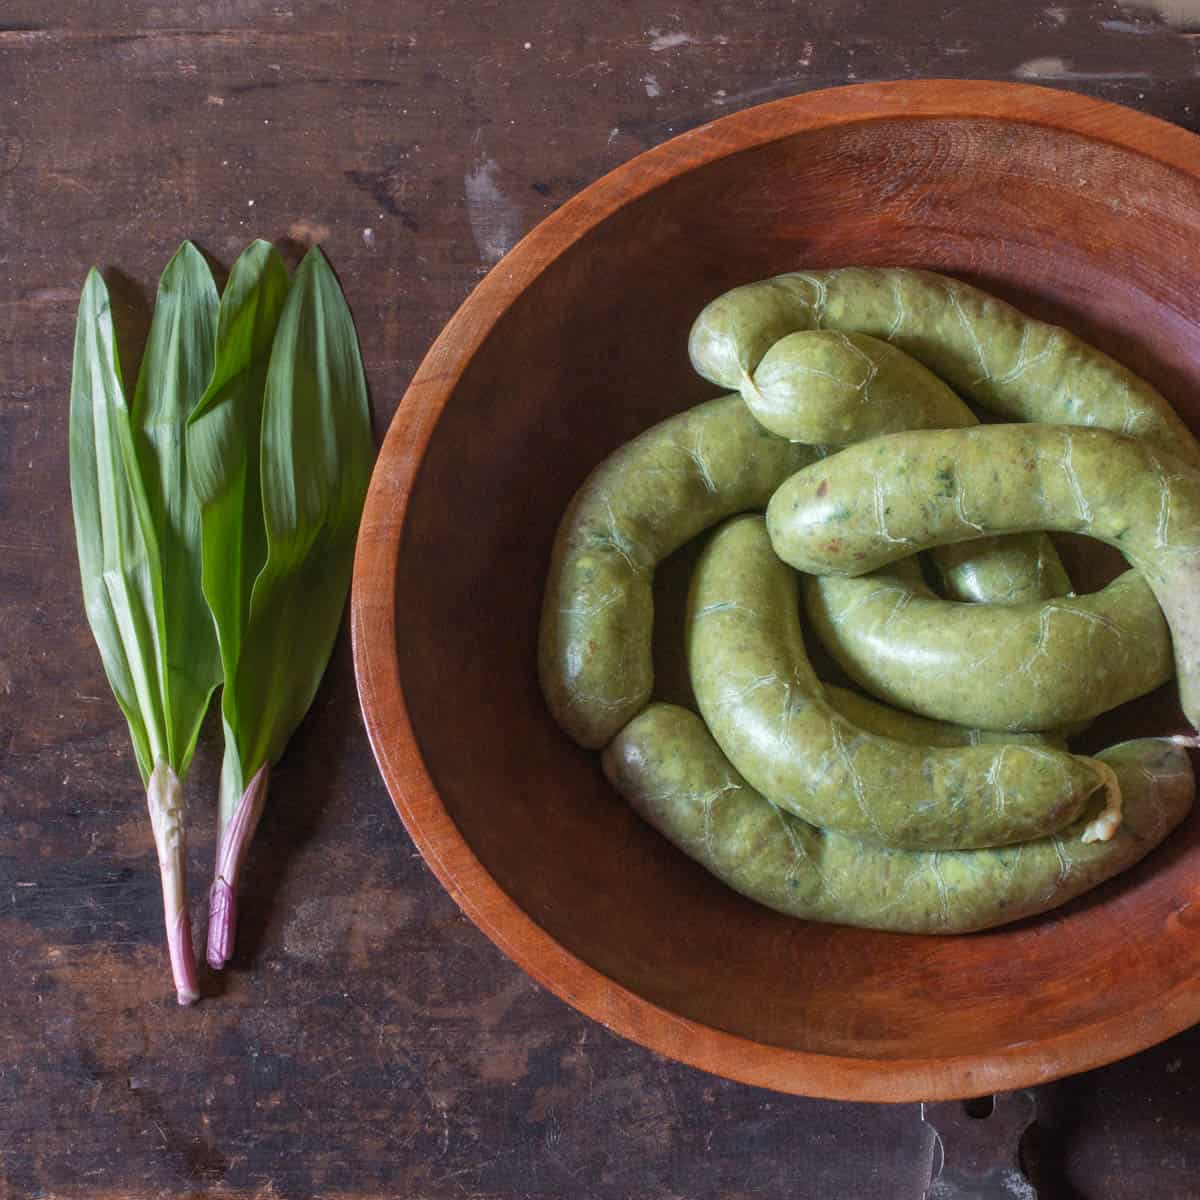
369,1040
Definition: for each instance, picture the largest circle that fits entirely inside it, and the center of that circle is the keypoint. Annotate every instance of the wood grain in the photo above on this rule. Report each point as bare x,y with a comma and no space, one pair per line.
370,1041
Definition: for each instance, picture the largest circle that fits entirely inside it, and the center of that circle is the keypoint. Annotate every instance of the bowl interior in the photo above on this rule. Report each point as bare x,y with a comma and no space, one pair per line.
1071,229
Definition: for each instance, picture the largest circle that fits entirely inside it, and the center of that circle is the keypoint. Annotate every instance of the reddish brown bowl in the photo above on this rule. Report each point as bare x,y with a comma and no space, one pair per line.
1081,211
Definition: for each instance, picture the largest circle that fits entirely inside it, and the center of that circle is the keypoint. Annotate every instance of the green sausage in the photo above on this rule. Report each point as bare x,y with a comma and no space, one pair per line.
890,722
766,708
644,501
892,496
674,775
990,353
672,685
828,388
1001,570
1032,666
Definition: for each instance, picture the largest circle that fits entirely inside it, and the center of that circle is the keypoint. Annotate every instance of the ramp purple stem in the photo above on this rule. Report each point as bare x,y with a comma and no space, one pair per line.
231,852
164,798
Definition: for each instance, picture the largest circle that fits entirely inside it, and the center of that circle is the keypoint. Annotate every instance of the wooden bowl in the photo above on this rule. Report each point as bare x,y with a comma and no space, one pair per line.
1080,211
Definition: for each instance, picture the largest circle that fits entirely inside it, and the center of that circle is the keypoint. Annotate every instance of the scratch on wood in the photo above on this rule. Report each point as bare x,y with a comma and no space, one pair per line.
668,41
1181,14
1059,68
495,220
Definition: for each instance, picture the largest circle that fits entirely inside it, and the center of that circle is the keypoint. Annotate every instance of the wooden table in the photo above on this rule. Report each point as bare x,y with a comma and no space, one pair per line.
369,1041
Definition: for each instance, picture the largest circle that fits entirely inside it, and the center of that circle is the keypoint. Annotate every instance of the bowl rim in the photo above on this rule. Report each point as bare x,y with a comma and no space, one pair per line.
374,632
